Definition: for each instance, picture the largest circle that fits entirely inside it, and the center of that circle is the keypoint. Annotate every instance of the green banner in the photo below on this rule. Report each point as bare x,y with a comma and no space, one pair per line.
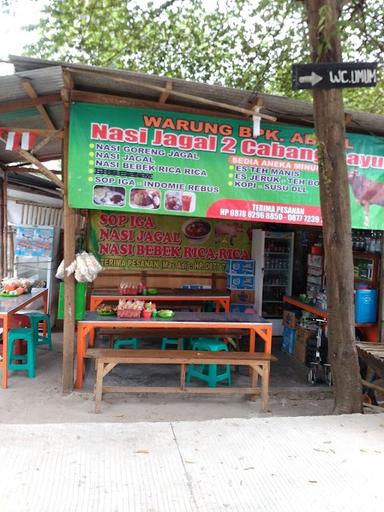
159,243
160,162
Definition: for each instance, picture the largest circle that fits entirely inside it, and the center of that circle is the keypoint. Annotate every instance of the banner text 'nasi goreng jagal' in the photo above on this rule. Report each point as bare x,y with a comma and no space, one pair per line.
140,160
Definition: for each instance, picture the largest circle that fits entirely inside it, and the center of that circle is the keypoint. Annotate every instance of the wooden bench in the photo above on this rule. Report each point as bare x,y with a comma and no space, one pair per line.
107,359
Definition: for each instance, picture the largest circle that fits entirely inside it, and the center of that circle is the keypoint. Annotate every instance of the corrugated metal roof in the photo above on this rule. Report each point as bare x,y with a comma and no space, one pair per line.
32,181
45,81
47,78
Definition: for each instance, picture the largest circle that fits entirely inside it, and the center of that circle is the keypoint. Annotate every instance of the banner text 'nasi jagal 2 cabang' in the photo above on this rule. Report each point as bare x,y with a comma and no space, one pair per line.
145,161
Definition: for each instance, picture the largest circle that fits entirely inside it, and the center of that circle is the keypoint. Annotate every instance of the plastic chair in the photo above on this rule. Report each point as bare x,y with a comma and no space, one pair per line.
209,373
24,362
35,318
173,342
127,343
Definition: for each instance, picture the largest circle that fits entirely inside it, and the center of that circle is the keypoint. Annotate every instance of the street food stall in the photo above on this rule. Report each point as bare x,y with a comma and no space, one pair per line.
175,181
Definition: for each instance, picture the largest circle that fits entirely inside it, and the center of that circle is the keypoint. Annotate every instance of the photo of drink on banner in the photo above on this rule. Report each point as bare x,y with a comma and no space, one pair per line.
180,201
135,159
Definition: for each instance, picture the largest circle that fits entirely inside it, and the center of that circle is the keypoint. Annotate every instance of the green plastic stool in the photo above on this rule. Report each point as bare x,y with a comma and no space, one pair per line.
127,343
173,342
209,373
35,318
26,361
210,307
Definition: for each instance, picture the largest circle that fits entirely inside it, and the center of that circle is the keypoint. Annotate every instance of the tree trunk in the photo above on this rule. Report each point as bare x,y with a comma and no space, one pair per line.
335,207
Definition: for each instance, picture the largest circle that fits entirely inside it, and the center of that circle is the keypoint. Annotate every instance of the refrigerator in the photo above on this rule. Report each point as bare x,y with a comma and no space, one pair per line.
36,258
273,253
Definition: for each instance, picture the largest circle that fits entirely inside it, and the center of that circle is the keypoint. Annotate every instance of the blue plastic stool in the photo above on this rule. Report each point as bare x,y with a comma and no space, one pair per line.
35,318
209,373
173,342
27,361
127,343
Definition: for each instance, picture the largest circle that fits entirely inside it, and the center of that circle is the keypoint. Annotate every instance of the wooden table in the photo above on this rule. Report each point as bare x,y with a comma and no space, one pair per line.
221,299
8,307
216,322
373,356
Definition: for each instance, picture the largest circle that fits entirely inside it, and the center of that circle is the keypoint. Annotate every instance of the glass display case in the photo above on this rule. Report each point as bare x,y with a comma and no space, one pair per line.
273,252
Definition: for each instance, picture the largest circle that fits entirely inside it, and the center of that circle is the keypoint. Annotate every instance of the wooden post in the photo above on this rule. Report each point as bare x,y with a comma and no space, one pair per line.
2,176
4,232
335,207
69,281
380,292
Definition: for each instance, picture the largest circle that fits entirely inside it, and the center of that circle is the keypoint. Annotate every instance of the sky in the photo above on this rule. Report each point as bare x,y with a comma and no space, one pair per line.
13,38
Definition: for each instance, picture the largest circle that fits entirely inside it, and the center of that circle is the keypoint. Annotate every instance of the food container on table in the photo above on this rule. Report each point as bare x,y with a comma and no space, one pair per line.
129,313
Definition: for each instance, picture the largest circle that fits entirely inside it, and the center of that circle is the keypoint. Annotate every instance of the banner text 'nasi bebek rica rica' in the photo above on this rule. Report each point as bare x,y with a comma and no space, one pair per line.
158,162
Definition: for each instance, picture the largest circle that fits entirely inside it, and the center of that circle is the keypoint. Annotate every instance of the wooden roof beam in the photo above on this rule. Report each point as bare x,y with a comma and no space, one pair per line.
255,107
109,99
24,170
55,134
44,170
348,118
257,103
165,94
11,106
27,86
41,144
191,97
68,79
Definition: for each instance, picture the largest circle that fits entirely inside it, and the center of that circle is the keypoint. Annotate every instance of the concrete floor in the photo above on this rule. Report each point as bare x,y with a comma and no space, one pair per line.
317,464
40,400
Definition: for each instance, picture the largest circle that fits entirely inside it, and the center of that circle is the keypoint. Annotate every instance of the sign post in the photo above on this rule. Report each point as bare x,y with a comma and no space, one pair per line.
334,75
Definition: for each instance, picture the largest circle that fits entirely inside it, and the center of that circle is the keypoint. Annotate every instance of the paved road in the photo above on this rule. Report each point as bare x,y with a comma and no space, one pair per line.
264,464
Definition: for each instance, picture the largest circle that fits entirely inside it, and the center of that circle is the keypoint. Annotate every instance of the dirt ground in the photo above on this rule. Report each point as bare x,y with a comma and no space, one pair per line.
41,400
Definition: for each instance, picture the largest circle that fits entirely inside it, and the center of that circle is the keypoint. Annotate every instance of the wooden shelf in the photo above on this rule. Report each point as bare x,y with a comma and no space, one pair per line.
321,313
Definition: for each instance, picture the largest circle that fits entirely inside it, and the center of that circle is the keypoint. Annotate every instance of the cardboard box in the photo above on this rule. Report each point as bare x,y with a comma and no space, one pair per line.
290,318
235,282
302,336
314,271
242,296
289,340
315,260
314,279
240,267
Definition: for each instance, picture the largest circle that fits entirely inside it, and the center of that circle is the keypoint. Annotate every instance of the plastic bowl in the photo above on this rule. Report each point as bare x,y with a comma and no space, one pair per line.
166,313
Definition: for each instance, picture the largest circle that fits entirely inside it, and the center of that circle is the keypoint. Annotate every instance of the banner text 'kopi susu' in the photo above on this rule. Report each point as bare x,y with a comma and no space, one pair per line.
135,160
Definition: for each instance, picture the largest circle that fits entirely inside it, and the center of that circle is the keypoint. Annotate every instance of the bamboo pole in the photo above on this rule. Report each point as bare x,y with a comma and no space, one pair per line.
69,326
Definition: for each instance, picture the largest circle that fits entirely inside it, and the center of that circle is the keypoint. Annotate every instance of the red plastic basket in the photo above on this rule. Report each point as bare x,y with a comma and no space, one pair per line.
129,313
